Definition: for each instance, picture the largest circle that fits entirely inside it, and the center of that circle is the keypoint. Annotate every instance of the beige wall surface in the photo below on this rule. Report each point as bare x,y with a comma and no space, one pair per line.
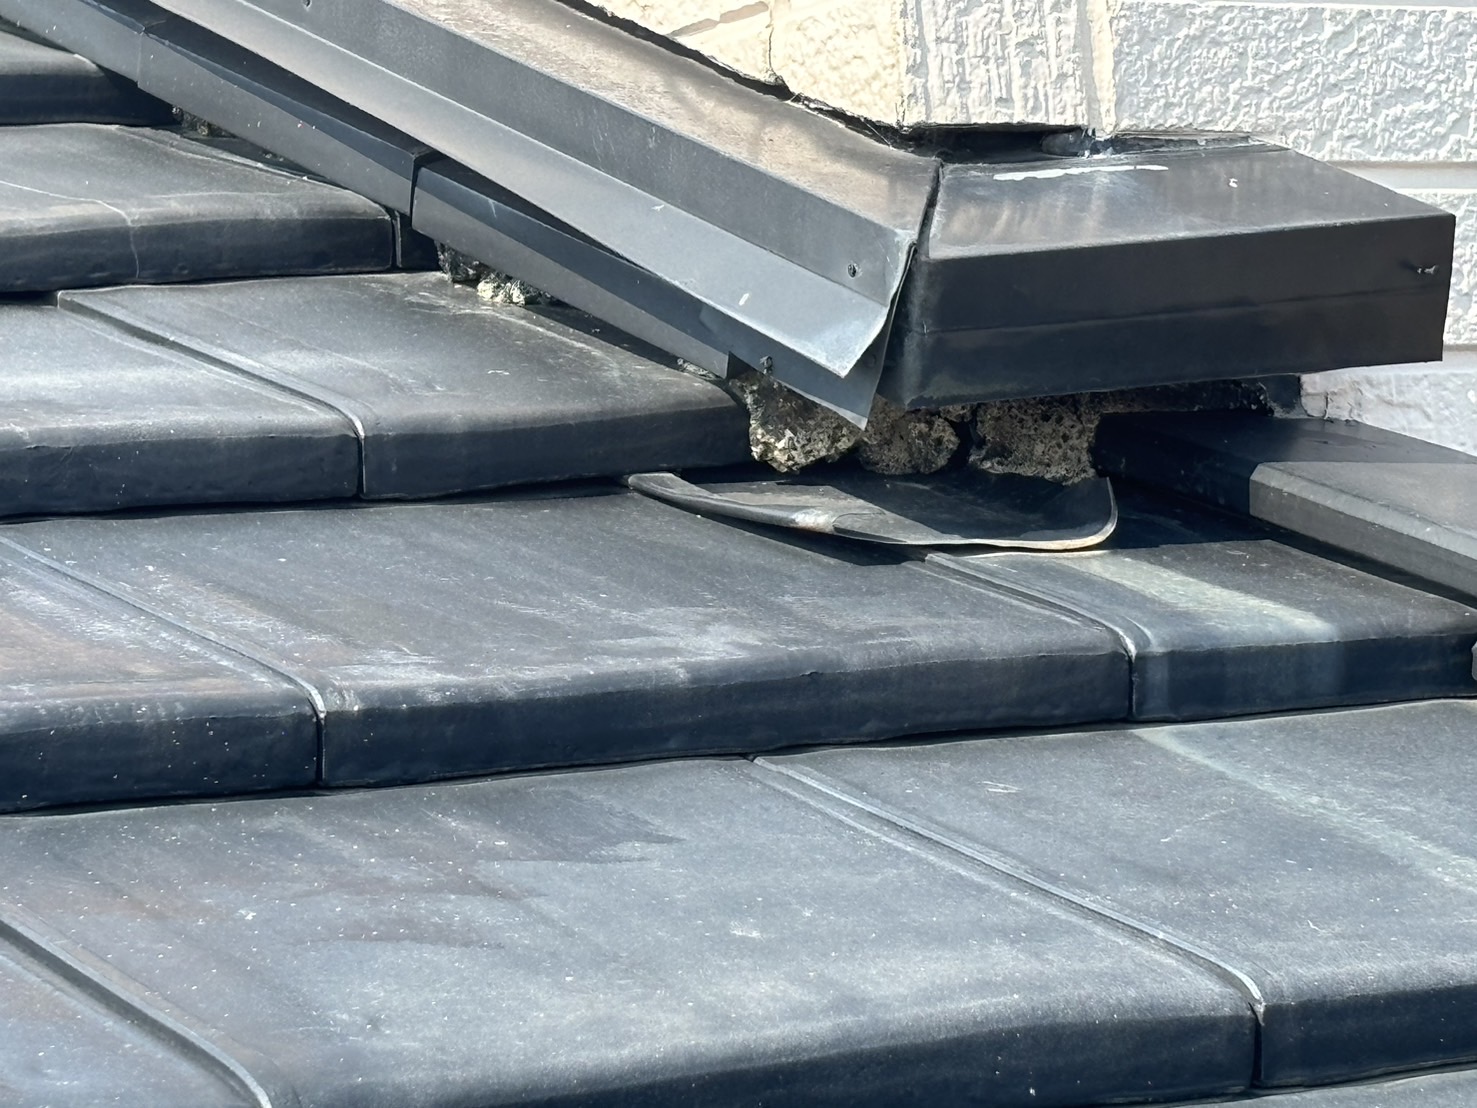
1389,90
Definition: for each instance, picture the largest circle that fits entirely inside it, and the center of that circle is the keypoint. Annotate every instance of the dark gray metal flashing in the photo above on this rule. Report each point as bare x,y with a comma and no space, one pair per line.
455,205
729,226
1078,274
248,96
792,230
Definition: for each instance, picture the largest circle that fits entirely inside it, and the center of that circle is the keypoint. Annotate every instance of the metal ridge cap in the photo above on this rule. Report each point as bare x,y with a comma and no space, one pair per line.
757,247
622,106
525,28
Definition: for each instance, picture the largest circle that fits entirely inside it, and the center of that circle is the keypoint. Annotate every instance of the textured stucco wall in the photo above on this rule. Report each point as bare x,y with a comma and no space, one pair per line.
1387,90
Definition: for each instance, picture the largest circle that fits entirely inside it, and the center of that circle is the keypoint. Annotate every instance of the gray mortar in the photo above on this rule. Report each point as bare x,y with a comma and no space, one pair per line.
1052,436
1047,437
788,432
899,442
492,285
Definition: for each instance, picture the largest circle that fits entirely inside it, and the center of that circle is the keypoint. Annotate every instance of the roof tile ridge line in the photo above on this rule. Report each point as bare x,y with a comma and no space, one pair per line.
110,987
230,645
1218,965
244,367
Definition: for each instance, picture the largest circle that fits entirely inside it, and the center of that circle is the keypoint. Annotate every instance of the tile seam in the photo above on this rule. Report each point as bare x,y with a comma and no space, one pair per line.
1207,959
106,985
244,368
232,646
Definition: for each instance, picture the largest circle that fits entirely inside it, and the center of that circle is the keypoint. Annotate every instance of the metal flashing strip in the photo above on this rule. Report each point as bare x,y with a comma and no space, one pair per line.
791,230
730,226
459,207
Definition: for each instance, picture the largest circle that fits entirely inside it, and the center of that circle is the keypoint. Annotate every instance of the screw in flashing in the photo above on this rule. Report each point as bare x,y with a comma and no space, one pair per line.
851,269
766,363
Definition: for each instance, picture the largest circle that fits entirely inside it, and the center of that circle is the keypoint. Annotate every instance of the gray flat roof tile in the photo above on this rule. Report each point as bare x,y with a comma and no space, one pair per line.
466,637
667,934
1328,858
85,204
449,394
92,419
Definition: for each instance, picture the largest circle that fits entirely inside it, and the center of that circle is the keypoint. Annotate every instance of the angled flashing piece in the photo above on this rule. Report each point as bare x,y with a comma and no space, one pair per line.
248,96
456,206
791,230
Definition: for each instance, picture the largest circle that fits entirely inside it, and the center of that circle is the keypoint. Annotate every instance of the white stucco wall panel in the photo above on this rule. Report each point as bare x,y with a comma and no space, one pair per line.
733,34
1383,82
1350,82
739,40
848,54
1461,315
997,61
1436,401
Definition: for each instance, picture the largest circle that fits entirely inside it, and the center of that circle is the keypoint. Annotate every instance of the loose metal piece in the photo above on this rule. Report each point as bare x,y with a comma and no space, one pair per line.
973,509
